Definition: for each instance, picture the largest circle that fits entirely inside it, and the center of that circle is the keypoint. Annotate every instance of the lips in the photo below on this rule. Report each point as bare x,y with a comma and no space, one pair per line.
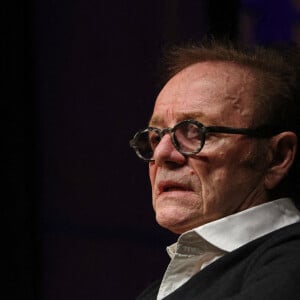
170,186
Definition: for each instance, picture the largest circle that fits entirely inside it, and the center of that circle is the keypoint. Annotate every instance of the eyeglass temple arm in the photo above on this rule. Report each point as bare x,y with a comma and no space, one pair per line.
263,131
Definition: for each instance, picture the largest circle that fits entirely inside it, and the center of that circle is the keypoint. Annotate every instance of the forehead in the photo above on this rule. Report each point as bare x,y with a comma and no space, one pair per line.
209,92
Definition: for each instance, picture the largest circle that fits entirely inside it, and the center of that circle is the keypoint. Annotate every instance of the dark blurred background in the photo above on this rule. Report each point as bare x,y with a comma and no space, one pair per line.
80,79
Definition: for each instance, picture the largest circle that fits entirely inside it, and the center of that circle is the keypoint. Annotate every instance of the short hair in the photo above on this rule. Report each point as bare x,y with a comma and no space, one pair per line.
277,74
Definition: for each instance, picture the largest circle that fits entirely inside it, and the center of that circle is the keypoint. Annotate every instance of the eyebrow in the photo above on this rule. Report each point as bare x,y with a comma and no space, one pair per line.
156,120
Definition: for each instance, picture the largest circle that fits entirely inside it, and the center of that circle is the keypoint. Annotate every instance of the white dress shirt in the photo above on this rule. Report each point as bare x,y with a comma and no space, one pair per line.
197,248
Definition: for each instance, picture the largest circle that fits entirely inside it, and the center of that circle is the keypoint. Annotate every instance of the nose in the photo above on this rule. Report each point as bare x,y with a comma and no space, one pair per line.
165,152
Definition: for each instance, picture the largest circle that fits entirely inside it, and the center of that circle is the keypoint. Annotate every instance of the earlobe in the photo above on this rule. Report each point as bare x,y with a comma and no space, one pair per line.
283,150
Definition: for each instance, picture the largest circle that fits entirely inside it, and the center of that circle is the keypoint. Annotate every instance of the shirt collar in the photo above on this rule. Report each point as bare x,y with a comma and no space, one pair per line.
191,243
234,231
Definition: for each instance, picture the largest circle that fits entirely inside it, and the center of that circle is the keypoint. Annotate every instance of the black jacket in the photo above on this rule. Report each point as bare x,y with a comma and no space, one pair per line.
266,268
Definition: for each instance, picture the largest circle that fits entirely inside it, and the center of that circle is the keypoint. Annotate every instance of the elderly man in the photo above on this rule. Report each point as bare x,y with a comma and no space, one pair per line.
220,143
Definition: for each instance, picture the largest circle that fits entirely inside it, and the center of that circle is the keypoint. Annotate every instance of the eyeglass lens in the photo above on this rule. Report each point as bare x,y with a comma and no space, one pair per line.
187,138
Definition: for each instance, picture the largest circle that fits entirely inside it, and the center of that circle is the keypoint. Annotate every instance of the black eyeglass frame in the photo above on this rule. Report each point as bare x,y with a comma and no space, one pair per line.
258,132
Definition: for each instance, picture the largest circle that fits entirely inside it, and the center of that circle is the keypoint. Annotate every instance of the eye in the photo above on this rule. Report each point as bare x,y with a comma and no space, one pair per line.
188,132
192,132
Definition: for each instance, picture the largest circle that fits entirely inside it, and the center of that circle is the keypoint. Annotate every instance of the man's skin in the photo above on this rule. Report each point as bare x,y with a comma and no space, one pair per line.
232,172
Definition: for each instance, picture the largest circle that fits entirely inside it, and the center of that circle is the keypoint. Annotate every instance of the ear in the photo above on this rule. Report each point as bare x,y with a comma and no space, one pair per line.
283,149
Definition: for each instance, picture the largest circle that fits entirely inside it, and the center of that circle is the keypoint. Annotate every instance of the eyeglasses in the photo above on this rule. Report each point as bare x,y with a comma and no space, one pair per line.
188,137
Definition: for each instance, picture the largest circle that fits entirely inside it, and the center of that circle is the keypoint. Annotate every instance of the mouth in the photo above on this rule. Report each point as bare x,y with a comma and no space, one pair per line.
174,188
167,187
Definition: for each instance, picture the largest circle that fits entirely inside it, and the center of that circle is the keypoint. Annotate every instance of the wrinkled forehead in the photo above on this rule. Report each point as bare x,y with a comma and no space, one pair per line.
213,91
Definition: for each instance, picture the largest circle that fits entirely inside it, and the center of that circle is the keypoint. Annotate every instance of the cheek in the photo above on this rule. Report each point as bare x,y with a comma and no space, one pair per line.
211,180
216,168
209,165
152,173
229,172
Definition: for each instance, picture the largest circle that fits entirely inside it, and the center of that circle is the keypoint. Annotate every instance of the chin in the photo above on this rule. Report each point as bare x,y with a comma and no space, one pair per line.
174,220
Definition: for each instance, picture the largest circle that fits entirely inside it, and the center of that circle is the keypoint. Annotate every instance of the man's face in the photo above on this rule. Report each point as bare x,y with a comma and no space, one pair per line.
227,175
